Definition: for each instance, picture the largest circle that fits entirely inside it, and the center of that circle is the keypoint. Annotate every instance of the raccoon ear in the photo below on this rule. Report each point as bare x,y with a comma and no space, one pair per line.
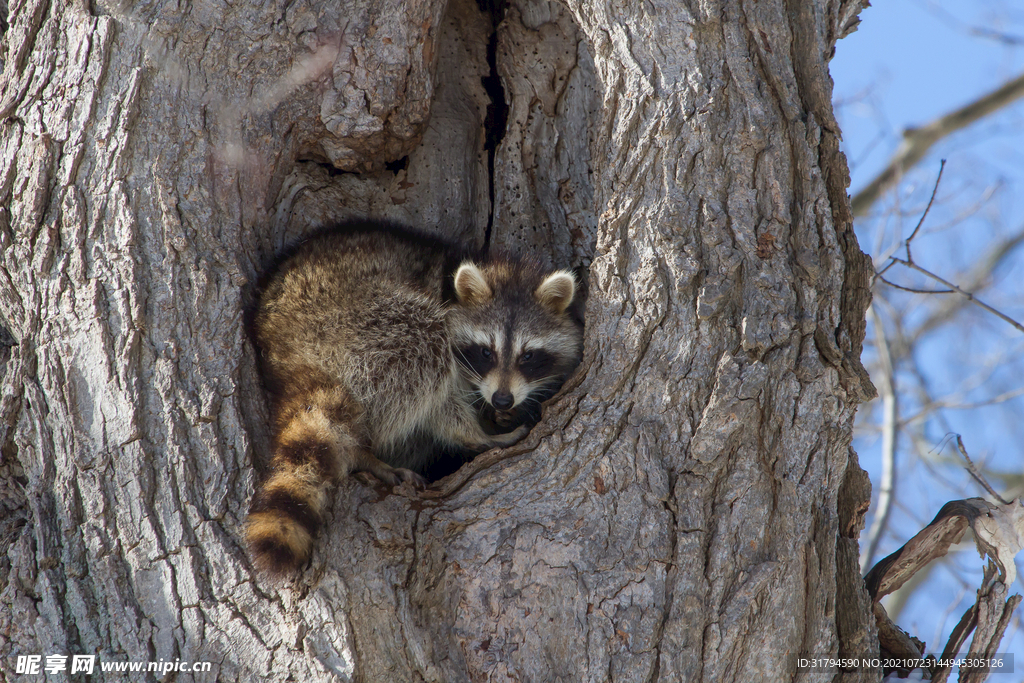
556,292
470,285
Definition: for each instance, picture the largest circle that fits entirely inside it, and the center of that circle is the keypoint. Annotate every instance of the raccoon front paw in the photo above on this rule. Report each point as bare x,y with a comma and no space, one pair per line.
394,476
506,440
386,474
413,478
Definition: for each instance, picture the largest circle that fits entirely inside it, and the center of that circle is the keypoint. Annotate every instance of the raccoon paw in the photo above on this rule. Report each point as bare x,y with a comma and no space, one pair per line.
392,476
395,476
413,478
506,440
504,418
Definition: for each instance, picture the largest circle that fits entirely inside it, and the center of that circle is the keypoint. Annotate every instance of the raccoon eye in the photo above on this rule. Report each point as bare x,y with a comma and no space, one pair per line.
477,358
536,363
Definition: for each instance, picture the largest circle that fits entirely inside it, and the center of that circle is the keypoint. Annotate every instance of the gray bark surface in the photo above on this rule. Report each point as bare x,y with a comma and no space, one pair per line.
679,515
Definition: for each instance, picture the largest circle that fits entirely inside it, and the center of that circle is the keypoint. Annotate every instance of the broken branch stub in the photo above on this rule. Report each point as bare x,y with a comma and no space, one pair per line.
999,535
931,542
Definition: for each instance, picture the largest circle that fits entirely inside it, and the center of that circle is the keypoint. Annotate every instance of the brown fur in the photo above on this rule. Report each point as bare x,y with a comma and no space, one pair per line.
363,332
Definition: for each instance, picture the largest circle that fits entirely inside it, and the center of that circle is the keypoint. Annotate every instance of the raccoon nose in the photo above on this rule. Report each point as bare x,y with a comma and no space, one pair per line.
502,400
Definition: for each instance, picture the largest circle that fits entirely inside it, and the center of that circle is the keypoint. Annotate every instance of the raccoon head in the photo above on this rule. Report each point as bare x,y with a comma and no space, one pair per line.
518,334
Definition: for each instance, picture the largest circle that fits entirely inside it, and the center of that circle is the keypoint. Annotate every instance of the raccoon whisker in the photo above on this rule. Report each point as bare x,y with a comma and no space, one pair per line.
466,367
469,392
541,385
468,370
474,399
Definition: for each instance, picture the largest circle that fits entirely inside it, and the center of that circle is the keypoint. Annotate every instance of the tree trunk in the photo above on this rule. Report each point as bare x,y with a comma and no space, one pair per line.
686,511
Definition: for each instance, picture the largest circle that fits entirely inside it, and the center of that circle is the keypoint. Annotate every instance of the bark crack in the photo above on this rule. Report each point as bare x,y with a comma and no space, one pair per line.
411,573
496,119
670,575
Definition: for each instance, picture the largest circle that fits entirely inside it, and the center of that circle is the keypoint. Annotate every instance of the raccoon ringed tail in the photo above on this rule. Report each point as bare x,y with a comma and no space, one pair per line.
284,518
310,451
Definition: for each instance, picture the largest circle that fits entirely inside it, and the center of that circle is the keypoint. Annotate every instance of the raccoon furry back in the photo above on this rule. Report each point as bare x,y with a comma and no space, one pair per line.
382,346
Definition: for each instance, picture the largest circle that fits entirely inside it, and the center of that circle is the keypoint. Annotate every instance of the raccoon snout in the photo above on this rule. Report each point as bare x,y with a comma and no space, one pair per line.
502,400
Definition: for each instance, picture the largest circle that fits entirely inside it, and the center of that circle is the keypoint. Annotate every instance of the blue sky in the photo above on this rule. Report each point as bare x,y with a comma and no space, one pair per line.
918,60
909,62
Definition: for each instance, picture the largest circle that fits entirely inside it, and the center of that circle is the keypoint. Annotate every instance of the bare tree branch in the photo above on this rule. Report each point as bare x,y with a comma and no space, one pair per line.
912,290
974,281
969,296
948,403
917,141
976,474
931,200
958,24
909,262
887,392
995,610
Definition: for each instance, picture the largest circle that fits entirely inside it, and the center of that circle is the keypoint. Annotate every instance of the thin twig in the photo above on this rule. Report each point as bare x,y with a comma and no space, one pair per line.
912,290
958,24
976,474
940,623
975,280
932,406
909,263
931,200
970,297
881,272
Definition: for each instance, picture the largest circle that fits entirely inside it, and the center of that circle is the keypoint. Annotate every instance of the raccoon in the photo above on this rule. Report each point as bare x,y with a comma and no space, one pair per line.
382,346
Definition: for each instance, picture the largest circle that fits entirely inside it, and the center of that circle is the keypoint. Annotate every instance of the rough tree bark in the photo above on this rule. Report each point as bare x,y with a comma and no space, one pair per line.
687,511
